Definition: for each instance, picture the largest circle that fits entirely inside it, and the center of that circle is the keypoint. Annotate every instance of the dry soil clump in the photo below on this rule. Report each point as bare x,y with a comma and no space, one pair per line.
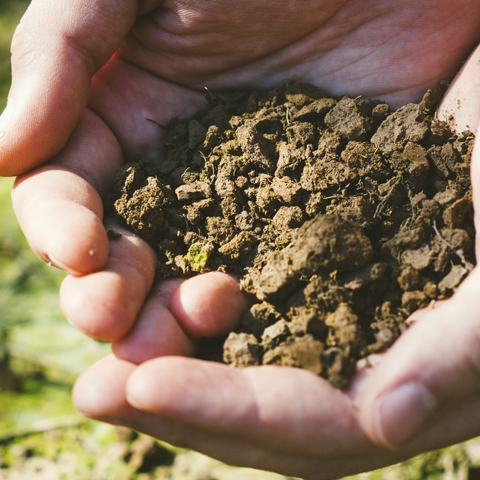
341,217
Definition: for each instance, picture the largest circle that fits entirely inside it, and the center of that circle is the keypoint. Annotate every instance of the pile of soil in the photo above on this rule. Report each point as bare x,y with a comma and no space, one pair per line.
342,218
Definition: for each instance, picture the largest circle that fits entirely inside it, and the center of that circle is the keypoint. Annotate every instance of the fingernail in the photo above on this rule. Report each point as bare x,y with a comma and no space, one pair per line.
106,419
400,413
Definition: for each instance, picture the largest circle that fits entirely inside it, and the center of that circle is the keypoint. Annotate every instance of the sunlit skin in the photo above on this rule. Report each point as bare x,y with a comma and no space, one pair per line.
279,419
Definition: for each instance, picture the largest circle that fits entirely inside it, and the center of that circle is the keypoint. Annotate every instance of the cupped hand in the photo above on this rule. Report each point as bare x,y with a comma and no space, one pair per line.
151,60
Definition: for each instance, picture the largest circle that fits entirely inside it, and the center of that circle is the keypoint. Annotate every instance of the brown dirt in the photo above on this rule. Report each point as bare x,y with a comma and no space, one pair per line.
341,217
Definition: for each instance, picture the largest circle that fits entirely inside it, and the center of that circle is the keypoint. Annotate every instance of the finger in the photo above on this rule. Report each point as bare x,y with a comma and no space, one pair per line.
432,367
105,304
59,206
459,106
455,424
99,393
209,305
177,311
285,409
56,50
156,331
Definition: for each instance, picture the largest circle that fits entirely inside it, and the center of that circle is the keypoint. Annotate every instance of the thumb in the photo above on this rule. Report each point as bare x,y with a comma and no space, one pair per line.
57,47
432,367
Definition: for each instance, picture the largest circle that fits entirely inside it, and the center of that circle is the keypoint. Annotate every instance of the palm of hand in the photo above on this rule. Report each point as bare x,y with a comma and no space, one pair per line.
271,418
389,51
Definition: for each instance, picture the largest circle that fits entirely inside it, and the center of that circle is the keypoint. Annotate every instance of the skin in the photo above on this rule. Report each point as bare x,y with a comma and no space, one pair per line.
80,112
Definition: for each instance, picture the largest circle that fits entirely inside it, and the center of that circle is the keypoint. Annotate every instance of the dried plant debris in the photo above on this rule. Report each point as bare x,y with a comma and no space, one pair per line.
341,217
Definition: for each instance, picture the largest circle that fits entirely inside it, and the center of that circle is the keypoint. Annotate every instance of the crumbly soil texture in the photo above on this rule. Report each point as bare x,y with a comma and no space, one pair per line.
340,216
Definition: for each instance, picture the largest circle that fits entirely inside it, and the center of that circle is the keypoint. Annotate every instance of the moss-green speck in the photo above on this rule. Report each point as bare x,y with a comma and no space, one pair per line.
196,258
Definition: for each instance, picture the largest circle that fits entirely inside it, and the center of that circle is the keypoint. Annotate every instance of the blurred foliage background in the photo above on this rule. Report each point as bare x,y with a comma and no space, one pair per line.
40,353
41,435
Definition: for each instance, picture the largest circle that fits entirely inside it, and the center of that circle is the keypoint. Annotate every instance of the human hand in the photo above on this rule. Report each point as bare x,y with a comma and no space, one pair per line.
167,53
420,395
291,421
59,205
